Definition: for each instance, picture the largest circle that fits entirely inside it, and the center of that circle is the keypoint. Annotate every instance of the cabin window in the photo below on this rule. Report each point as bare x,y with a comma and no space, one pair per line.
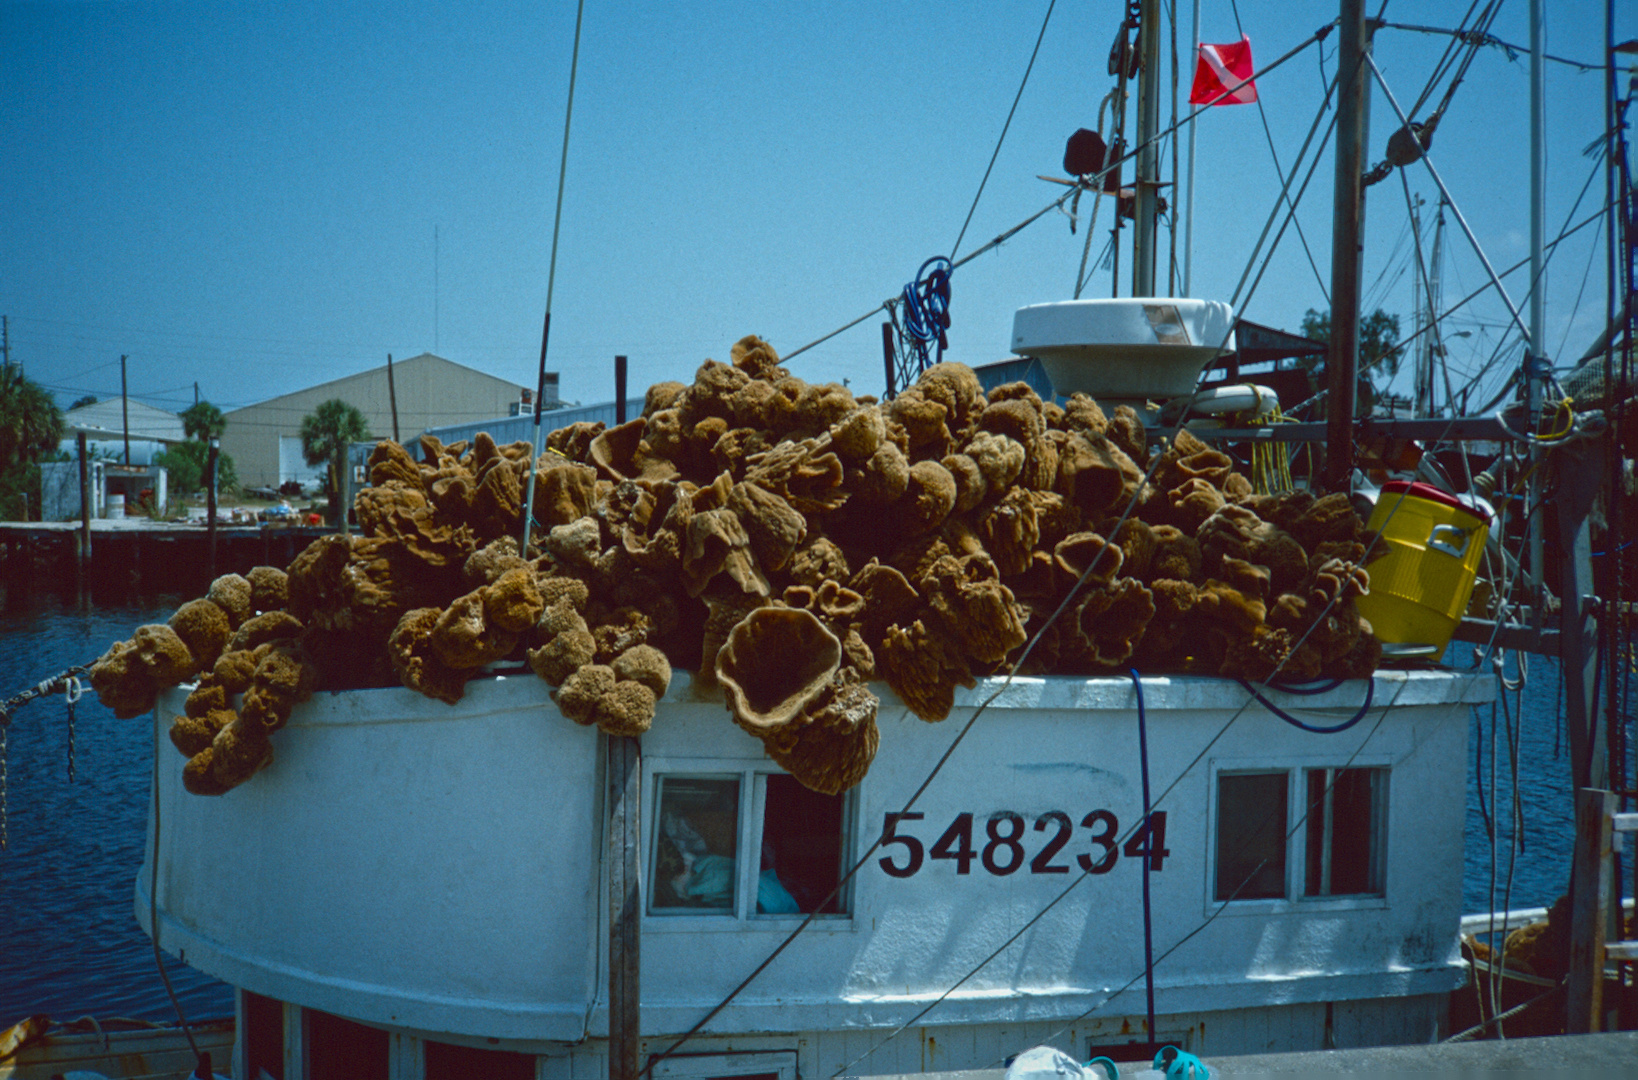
694,868
1251,835
745,843
1346,810
802,850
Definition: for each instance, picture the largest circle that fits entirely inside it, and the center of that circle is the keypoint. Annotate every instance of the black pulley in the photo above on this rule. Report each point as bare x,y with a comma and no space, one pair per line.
1085,153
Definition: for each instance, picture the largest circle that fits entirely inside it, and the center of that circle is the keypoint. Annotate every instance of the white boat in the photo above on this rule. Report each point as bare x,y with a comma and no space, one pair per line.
436,874
415,890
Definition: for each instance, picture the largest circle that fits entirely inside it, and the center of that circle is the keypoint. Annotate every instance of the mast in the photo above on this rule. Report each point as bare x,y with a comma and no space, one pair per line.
1436,341
1419,310
1534,355
1430,349
1144,239
1348,216
1188,206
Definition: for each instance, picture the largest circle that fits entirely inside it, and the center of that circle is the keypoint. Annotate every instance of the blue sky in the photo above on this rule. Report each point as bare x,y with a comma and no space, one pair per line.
247,196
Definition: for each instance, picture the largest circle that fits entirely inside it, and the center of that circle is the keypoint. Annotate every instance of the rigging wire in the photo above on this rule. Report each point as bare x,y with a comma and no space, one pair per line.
1457,37
1273,153
1594,217
1187,769
1491,40
1223,905
1456,211
1016,99
1272,678
1057,204
1325,107
153,916
1028,649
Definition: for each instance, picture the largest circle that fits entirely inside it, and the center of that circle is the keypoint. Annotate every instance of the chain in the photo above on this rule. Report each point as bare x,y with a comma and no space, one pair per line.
72,691
70,682
5,728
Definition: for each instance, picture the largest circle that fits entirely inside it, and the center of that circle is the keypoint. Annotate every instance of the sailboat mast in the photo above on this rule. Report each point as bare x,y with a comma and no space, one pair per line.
1348,218
1435,342
1419,312
1148,162
1534,353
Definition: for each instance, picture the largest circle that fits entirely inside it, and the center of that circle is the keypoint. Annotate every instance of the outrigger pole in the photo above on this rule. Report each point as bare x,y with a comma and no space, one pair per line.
1347,228
551,280
1145,235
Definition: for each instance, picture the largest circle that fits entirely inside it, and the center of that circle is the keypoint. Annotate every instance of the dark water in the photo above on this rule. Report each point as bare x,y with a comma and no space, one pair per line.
70,945
69,942
1528,865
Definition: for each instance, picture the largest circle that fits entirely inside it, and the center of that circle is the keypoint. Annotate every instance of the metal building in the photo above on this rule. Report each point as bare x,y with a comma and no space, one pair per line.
431,392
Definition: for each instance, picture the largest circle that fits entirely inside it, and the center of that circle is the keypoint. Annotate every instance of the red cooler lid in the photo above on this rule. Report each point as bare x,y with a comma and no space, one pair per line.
1419,490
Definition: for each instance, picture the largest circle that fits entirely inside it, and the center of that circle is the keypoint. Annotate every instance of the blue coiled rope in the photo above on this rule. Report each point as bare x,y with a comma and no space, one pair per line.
1310,689
927,309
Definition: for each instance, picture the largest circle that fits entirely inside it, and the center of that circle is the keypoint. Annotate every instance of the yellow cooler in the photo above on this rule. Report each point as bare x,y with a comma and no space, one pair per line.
1429,554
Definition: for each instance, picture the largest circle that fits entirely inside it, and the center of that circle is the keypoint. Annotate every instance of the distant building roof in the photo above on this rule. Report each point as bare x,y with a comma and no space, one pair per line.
509,429
107,420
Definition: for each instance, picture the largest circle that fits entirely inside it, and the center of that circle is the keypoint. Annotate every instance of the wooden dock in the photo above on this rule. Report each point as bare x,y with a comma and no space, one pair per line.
139,555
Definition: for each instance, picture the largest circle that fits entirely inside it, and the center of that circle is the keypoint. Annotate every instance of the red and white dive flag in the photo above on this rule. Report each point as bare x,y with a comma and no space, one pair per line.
1224,68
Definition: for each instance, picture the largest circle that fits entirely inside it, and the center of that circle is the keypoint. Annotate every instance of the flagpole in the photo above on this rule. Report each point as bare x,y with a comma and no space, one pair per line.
1188,208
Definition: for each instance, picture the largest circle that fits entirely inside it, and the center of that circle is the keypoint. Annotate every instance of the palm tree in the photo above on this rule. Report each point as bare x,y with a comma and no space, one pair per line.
31,426
203,421
1379,352
326,432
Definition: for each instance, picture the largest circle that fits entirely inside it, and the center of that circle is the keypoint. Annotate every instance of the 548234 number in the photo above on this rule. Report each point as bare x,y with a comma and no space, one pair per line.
1003,853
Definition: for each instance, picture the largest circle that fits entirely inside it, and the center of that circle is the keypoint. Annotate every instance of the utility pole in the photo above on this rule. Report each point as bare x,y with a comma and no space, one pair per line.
392,397
83,548
5,338
125,411
210,498
196,393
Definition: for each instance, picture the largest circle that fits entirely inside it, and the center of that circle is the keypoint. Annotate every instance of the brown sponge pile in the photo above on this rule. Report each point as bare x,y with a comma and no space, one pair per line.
790,541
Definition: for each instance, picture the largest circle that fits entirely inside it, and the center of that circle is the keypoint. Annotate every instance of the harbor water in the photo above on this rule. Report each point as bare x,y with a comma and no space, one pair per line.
70,946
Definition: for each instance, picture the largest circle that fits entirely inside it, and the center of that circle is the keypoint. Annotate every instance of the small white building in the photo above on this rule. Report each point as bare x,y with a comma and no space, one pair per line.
122,440
107,425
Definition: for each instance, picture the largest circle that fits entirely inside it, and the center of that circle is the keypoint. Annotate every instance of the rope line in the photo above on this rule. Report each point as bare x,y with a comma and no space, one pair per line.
1086,183
1370,688
1148,860
1004,127
1375,539
153,917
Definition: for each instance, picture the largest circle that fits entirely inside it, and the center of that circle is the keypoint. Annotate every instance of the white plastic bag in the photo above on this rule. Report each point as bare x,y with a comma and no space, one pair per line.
1050,1063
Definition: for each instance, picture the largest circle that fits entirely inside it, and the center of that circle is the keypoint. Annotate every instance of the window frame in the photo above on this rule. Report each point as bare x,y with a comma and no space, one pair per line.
1381,793
783,1063
850,825
1296,769
651,850
753,802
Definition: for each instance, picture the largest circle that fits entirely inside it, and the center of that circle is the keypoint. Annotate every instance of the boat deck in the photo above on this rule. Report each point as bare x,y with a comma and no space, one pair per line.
1611,1054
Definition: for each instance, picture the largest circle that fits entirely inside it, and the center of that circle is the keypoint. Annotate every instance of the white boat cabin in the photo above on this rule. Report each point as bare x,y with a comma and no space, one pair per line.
416,890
